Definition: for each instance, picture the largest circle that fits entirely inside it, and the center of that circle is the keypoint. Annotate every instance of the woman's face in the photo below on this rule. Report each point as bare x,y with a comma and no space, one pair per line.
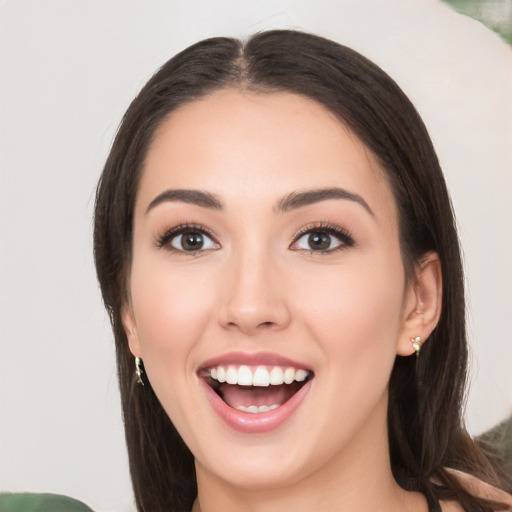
266,252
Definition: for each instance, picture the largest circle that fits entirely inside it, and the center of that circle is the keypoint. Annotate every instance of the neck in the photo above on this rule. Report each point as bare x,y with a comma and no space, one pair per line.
356,480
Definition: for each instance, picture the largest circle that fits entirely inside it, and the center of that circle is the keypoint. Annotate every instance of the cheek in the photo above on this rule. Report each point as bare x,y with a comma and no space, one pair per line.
171,310
354,315
355,312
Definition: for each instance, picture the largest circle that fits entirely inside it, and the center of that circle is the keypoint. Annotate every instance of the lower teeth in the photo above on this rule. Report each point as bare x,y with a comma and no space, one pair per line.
254,409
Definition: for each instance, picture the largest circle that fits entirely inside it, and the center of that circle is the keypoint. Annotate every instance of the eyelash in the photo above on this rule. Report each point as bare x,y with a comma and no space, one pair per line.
341,234
164,240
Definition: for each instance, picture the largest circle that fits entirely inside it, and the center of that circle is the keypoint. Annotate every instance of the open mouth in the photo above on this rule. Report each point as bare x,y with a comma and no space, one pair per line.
256,389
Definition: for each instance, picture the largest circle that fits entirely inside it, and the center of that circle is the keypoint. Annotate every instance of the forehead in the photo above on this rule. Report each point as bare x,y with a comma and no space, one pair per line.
252,145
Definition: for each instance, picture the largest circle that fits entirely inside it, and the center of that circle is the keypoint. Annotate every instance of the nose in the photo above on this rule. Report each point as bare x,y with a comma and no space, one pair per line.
253,297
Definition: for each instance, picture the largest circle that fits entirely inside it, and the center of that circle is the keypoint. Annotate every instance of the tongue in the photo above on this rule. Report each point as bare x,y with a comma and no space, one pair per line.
246,396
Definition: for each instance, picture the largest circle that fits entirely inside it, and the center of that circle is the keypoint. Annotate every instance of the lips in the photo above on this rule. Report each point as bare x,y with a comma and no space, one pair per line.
255,392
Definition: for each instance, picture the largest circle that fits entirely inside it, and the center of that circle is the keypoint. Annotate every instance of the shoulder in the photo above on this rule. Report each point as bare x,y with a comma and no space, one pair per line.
478,488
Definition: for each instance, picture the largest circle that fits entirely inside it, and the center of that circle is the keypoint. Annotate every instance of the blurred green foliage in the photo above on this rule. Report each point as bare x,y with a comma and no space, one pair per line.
32,502
499,439
496,14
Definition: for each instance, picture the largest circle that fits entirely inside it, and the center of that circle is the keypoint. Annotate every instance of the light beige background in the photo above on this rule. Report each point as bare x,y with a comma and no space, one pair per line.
67,73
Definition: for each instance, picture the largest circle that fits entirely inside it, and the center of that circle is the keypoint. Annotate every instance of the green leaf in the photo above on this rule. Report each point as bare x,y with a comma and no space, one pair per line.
31,502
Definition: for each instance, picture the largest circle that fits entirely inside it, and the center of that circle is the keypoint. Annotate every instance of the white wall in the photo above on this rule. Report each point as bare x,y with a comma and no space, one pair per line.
68,71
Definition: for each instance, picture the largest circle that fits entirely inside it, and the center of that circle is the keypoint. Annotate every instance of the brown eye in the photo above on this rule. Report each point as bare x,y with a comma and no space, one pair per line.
319,241
323,239
191,241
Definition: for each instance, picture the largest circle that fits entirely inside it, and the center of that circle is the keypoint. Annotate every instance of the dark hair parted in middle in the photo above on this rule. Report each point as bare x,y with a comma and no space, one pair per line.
426,432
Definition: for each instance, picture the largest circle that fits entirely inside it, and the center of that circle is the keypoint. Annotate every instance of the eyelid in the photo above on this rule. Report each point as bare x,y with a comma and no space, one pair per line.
163,240
335,230
343,235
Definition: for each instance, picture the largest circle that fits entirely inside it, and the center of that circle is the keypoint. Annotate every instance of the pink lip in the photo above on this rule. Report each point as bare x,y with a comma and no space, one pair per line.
246,422
253,359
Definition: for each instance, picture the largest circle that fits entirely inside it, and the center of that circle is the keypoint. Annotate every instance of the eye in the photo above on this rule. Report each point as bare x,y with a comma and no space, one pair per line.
189,239
192,241
322,239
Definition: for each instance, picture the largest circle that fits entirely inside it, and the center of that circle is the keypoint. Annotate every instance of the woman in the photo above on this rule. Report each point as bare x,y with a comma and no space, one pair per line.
277,251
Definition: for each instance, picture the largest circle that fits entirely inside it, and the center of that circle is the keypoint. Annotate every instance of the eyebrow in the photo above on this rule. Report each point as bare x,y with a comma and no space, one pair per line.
197,197
299,199
291,201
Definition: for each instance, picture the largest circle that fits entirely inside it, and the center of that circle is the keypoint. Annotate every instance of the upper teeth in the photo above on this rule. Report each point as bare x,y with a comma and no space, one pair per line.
259,376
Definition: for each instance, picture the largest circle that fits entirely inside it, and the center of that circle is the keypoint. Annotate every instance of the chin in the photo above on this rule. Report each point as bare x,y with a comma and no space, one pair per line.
256,471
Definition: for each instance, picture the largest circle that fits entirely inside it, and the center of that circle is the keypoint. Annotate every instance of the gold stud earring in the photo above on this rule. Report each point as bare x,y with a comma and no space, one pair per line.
416,343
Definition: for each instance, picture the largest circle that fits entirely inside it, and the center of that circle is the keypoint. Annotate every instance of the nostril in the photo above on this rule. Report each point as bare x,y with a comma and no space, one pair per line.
262,325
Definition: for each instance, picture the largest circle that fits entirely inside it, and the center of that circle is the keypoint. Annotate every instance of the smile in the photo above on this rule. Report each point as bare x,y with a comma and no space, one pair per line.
255,398
240,387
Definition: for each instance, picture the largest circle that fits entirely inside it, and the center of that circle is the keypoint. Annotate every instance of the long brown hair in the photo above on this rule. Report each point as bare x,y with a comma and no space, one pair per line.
426,432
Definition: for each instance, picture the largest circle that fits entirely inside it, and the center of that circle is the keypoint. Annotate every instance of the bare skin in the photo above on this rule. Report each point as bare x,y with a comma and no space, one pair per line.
257,284
472,484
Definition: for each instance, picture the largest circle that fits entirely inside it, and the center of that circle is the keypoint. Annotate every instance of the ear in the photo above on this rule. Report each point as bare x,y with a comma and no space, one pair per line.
422,305
130,329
